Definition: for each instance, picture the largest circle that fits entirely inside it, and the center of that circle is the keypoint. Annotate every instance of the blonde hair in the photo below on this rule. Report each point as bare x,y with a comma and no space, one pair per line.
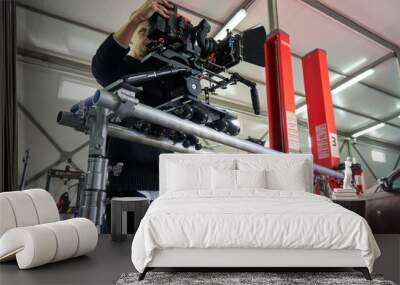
137,43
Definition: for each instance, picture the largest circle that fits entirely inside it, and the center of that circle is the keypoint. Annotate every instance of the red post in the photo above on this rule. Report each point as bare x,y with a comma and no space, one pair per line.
321,117
283,131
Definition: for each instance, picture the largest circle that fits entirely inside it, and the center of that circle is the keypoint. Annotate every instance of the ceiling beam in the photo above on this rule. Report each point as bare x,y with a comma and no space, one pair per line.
352,25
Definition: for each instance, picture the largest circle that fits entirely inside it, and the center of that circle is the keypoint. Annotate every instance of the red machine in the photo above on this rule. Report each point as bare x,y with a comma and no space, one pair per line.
321,117
283,132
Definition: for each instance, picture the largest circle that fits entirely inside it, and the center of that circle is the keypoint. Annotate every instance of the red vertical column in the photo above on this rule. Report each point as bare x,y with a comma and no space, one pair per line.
283,131
321,117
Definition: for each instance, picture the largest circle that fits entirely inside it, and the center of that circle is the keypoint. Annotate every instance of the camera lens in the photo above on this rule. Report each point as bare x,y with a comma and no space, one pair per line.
187,112
186,143
233,129
199,116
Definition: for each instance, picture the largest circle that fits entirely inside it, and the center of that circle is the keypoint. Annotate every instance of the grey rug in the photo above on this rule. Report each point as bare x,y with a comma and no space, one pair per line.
244,278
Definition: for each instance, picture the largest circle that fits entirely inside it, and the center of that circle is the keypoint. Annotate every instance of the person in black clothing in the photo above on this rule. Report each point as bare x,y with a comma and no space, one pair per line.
120,55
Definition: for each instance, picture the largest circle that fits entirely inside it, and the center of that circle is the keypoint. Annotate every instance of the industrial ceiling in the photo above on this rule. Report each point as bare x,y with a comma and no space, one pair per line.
358,36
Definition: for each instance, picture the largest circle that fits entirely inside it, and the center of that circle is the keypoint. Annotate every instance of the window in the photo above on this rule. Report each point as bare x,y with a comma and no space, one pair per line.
378,156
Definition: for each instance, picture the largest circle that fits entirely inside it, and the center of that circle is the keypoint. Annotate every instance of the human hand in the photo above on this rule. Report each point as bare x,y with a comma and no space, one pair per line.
149,7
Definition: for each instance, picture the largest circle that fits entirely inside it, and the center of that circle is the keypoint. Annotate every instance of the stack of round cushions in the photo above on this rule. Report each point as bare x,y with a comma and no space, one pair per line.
30,230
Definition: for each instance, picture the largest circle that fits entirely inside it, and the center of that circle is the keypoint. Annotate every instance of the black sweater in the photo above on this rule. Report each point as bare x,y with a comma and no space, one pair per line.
140,170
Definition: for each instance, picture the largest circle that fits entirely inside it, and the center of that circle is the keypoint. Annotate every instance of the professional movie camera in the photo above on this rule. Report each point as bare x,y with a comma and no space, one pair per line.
183,52
176,44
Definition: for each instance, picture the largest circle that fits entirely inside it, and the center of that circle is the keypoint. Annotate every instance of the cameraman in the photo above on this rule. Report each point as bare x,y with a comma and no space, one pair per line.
120,55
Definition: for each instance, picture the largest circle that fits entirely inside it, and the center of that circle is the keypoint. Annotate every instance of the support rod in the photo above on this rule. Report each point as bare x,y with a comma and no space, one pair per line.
273,15
135,136
105,99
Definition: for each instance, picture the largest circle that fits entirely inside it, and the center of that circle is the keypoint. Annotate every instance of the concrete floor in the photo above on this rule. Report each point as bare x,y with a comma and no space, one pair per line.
103,266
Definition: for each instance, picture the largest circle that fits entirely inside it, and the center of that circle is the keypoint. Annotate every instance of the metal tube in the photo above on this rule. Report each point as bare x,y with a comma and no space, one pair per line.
273,15
134,136
166,120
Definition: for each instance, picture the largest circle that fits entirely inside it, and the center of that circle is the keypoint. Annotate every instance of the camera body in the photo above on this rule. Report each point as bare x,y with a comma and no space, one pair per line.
191,42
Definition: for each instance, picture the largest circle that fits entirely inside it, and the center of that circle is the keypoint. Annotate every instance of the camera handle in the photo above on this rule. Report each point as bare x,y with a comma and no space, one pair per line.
235,77
255,99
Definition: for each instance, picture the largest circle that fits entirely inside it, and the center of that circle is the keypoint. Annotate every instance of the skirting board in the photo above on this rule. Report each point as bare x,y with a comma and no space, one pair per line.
189,257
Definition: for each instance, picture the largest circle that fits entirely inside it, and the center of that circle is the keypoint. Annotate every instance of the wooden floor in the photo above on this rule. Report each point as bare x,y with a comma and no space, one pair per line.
103,266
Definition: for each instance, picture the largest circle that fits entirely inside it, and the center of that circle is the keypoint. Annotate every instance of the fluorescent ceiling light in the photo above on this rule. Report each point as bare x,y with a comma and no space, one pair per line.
301,109
373,128
236,19
353,81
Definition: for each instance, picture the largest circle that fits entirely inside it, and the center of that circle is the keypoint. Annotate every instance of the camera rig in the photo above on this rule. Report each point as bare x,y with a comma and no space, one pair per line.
177,49
176,43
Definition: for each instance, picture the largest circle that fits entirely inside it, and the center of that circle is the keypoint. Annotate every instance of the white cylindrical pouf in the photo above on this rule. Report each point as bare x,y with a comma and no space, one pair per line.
34,246
7,217
87,235
67,239
23,207
45,205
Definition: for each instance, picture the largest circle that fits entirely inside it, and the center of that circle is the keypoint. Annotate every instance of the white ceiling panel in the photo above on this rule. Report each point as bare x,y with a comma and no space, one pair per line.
305,145
381,17
298,75
38,32
386,76
250,71
310,29
109,15
218,10
347,122
396,121
104,14
386,133
366,100
298,99
257,15
342,119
